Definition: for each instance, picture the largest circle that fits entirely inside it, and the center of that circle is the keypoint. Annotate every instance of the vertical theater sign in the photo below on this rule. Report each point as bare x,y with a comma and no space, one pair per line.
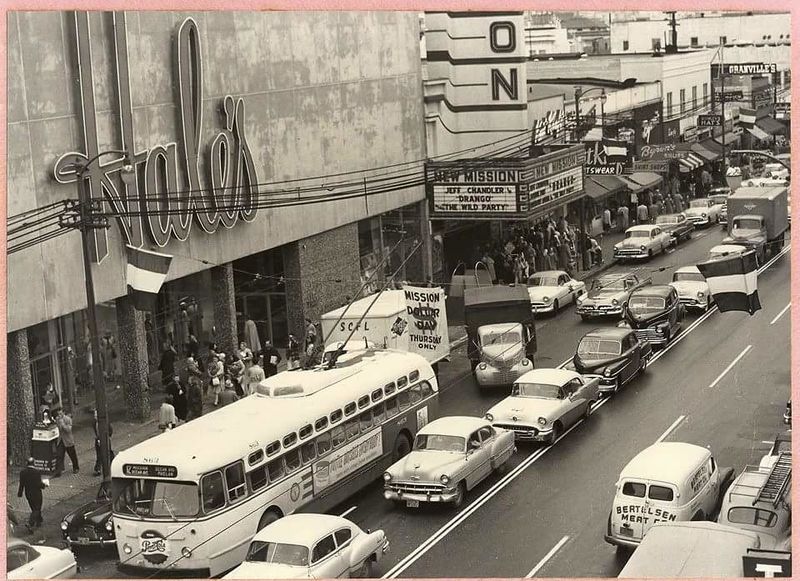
169,193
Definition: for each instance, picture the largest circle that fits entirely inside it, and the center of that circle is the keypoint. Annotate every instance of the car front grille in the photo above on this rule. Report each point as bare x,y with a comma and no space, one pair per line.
417,487
650,335
503,365
87,532
517,428
628,251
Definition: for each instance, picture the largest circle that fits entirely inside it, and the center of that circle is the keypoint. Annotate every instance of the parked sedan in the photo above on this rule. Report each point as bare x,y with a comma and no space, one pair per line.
608,294
24,561
692,288
677,226
91,524
451,455
615,353
643,241
552,289
311,546
545,402
702,212
655,313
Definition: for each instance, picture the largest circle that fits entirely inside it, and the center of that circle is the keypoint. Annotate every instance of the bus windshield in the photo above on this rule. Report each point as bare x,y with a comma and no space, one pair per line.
281,553
156,498
440,443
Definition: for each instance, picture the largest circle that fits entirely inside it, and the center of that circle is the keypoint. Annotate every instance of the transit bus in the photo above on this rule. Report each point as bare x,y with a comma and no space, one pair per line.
191,499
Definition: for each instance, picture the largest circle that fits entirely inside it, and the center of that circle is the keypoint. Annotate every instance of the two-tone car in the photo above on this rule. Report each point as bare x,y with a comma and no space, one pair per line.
312,546
544,403
552,289
642,241
702,212
720,198
655,314
608,294
91,524
693,291
451,455
24,561
677,226
614,353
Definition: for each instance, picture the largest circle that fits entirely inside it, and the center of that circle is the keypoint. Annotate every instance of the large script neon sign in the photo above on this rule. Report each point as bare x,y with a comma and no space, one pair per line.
164,200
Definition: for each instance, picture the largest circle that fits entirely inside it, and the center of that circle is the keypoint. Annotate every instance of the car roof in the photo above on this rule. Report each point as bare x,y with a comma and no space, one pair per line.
727,248
609,333
686,269
617,276
549,376
673,215
301,529
666,462
453,426
641,227
654,290
547,273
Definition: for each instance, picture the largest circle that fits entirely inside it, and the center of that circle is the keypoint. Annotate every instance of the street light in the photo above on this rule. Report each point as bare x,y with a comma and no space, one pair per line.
79,165
580,93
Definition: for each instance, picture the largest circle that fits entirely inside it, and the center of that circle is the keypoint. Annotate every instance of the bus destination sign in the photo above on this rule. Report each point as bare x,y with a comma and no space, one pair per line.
149,471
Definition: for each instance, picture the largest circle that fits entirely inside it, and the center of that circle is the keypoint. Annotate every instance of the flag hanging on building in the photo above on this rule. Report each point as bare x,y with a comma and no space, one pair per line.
145,274
616,150
747,117
733,282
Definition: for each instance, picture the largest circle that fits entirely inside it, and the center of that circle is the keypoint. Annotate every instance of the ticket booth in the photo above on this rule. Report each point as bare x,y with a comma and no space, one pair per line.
44,447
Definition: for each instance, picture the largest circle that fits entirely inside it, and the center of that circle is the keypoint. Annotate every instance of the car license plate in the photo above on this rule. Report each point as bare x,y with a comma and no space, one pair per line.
83,541
412,503
625,531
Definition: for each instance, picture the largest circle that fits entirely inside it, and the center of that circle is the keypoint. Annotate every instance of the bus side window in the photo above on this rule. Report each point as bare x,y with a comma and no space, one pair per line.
379,414
234,479
426,389
404,399
258,478
308,451
365,419
292,458
391,407
415,394
351,428
213,491
275,469
337,436
323,444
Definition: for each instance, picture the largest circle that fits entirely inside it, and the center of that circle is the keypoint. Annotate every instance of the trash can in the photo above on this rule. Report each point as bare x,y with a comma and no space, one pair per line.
44,447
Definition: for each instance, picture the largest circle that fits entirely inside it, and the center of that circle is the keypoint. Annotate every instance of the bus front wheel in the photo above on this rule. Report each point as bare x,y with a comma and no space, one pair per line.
268,518
402,446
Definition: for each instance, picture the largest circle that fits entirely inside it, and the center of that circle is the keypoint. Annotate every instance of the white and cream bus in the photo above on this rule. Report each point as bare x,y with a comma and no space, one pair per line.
191,499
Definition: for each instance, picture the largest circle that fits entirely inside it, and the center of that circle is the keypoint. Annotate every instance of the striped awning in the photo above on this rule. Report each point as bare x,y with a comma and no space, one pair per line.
690,163
759,133
706,150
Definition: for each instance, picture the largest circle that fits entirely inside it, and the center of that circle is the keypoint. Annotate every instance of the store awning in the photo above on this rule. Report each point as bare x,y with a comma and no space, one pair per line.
691,163
730,139
758,133
639,181
708,150
769,125
594,134
598,187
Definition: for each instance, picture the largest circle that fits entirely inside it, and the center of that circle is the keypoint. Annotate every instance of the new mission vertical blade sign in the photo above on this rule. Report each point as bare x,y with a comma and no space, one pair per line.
170,192
476,87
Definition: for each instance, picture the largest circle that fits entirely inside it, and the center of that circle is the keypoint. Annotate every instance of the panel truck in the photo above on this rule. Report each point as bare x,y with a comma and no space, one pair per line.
501,336
758,218
399,319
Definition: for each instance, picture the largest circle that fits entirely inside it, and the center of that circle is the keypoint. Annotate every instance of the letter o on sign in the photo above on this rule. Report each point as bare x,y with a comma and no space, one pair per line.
503,36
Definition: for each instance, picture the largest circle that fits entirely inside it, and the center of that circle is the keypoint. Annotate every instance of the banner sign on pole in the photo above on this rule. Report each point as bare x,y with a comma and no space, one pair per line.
427,322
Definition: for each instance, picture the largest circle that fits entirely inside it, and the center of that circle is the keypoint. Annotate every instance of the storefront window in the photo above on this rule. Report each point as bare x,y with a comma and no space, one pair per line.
261,297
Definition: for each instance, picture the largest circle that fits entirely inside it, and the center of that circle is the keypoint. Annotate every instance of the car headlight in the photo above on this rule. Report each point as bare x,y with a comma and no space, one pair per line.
546,299
482,366
110,525
704,214
444,479
64,525
607,372
642,247
525,362
489,417
614,302
579,300
701,294
542,421
617,246
387,477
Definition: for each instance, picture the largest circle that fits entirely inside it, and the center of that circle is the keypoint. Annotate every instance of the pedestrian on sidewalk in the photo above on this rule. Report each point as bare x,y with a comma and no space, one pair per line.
194,399
228,395
66,444
98,463
31,483
177,390
245,354
167,365
596,252
292,353
311,334
271,358
216,371
677,201
236,372
256,375
167,418
489,262
606,219
642,215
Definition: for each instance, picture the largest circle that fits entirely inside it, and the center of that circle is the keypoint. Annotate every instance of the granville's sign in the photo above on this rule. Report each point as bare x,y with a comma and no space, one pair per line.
170,192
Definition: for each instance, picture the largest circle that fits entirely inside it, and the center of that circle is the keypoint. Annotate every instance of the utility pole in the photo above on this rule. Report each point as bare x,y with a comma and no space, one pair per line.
722,104
672,47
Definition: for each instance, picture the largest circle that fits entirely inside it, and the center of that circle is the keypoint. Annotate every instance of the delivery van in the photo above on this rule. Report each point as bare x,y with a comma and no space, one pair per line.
666,482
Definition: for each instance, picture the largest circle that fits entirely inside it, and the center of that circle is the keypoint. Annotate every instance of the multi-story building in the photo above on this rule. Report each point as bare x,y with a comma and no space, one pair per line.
225,118
544,34
588,35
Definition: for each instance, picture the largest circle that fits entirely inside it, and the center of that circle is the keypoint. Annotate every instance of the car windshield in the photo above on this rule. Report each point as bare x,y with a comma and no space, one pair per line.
609,283
543,390
668,219
493,337
747,224
592,347
281,553
539,280
747,515
440,443
719,199
698,204
638,233
646,304
688,276
156,498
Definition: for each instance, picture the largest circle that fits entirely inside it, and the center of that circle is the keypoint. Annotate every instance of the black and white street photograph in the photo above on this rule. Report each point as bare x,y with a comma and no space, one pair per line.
398,293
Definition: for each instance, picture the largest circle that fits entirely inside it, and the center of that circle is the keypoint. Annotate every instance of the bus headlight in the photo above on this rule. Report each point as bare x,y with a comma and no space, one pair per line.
542,421
387,477
444,479
489,417
186,552
64,525
126,548
525,362
482,366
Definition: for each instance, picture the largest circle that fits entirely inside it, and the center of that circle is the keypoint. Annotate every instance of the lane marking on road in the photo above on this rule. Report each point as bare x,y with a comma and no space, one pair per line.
729,367
770,442
348,511
547,557
670,429
445,529
779,315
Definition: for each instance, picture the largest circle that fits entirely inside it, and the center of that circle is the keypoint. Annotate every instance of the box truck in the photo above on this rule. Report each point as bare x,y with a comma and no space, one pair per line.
758,219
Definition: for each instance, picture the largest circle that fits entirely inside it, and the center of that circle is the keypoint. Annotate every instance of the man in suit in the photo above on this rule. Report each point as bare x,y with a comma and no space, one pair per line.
31,483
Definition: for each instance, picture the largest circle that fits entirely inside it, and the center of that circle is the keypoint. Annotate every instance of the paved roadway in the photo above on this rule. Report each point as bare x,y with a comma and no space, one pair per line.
548,515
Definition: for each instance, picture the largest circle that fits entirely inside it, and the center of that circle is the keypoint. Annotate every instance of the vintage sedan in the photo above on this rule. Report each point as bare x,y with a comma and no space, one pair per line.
643,241
655,313
702,212
677,226
724,250
451,455
24,561
552,289
312,546
545,402
608,294
91,524
615,353
692,288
